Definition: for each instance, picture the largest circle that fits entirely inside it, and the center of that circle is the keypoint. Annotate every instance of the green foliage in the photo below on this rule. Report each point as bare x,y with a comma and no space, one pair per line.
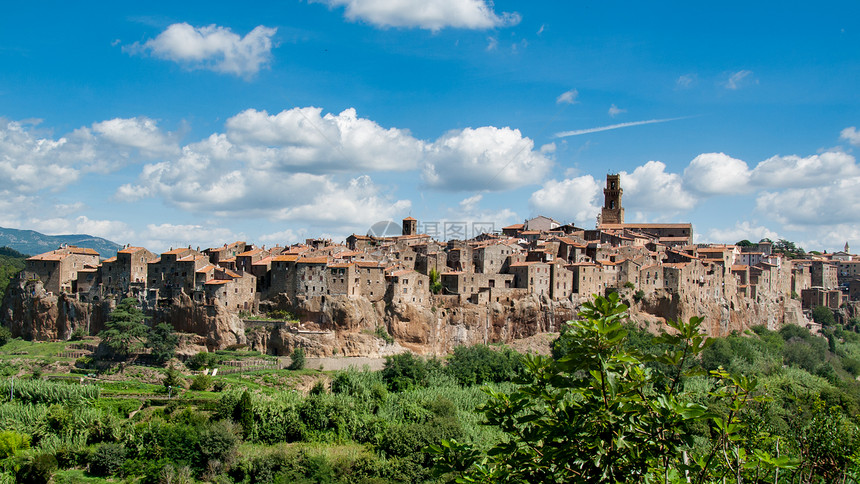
823,316
297,359
478,364
78,334
36,469
124,330
639,295
11,263
172,378
201,360
162,341
12,442
243,413
47,392
596,415
382,334
435,283
787,248
404,370
5,335
107,459
201,383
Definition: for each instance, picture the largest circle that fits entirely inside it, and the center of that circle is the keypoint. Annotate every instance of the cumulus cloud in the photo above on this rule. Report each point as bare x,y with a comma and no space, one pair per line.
485,158
303,138
140,133
650,188
615,110
797,172
211,47
741,231
717,174
426,14
574,199
834,203
567,97
161,237
738,79
32,160
851,135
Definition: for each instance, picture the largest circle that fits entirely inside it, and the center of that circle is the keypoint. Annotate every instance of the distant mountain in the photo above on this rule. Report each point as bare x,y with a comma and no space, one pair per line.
32,242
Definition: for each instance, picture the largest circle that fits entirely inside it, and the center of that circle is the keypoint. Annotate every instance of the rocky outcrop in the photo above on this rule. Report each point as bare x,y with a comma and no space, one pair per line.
34,314
220,327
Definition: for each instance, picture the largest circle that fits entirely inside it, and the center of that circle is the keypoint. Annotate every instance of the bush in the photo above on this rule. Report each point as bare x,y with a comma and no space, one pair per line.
78,334
5,335
107,459
478,364
404,370
297,359
201,383
823,316
36,469
200,360
11,442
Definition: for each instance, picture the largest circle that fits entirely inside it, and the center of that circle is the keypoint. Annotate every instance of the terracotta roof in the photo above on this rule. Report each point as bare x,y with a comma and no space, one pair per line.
112,259
216,281
342,265
285,258
176,251
646,226
367,263
409,218
82,250
49,256
130,250
249,253
264,261
677,265
312,260
401,272
514,227
523,264
739,267
206,268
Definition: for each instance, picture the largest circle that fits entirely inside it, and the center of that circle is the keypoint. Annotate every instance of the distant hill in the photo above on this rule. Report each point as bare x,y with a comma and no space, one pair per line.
32,242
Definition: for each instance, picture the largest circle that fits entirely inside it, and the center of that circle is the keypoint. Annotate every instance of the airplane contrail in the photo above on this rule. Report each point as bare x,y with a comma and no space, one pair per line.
577,132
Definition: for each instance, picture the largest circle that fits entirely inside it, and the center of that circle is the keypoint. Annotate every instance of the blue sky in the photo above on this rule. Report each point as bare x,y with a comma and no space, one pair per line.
173,123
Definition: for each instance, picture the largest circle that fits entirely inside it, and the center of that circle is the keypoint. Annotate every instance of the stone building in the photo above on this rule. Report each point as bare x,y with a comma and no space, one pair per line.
58,269
128,268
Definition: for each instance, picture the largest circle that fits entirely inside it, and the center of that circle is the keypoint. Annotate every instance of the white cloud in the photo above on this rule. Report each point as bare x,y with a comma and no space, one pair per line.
717,174
303,138
651,189
615,110
212,47
114,230
32,160
797,172
575,199
831,237
685,81
738,79
568,97
492,43
851,135
469,204
578,132
741,231
485,158
139,133
426,14
284,237
821,205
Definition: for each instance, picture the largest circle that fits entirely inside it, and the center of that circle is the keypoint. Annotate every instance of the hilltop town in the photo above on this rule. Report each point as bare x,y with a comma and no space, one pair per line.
431,295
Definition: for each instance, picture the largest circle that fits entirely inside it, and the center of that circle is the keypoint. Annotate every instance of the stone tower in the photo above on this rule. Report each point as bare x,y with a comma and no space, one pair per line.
613,212
410,226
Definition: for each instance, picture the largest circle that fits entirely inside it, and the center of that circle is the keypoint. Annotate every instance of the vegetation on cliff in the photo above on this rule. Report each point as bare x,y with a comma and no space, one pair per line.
11,263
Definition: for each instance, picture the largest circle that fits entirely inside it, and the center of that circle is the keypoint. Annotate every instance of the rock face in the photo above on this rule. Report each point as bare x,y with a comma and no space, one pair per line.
344,326
32,313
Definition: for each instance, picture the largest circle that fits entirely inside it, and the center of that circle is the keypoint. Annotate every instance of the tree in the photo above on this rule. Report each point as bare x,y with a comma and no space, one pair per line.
435,284
597,414
162,341
124,330
823,316
297,359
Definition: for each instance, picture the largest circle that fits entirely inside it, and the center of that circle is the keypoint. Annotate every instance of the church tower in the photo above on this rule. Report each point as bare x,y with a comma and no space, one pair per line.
410,226
613,212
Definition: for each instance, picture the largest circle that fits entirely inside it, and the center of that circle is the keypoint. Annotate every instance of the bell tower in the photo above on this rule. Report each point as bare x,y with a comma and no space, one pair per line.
613,212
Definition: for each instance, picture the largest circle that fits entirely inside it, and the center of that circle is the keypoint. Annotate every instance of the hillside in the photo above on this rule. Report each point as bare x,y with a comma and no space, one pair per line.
11,263
32,242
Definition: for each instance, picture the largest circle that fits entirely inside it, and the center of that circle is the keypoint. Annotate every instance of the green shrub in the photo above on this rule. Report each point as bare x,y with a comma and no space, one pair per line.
78,334
200,360
201,383
478,364
11,442
36,469
404,370
107,459
297,359
5,335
